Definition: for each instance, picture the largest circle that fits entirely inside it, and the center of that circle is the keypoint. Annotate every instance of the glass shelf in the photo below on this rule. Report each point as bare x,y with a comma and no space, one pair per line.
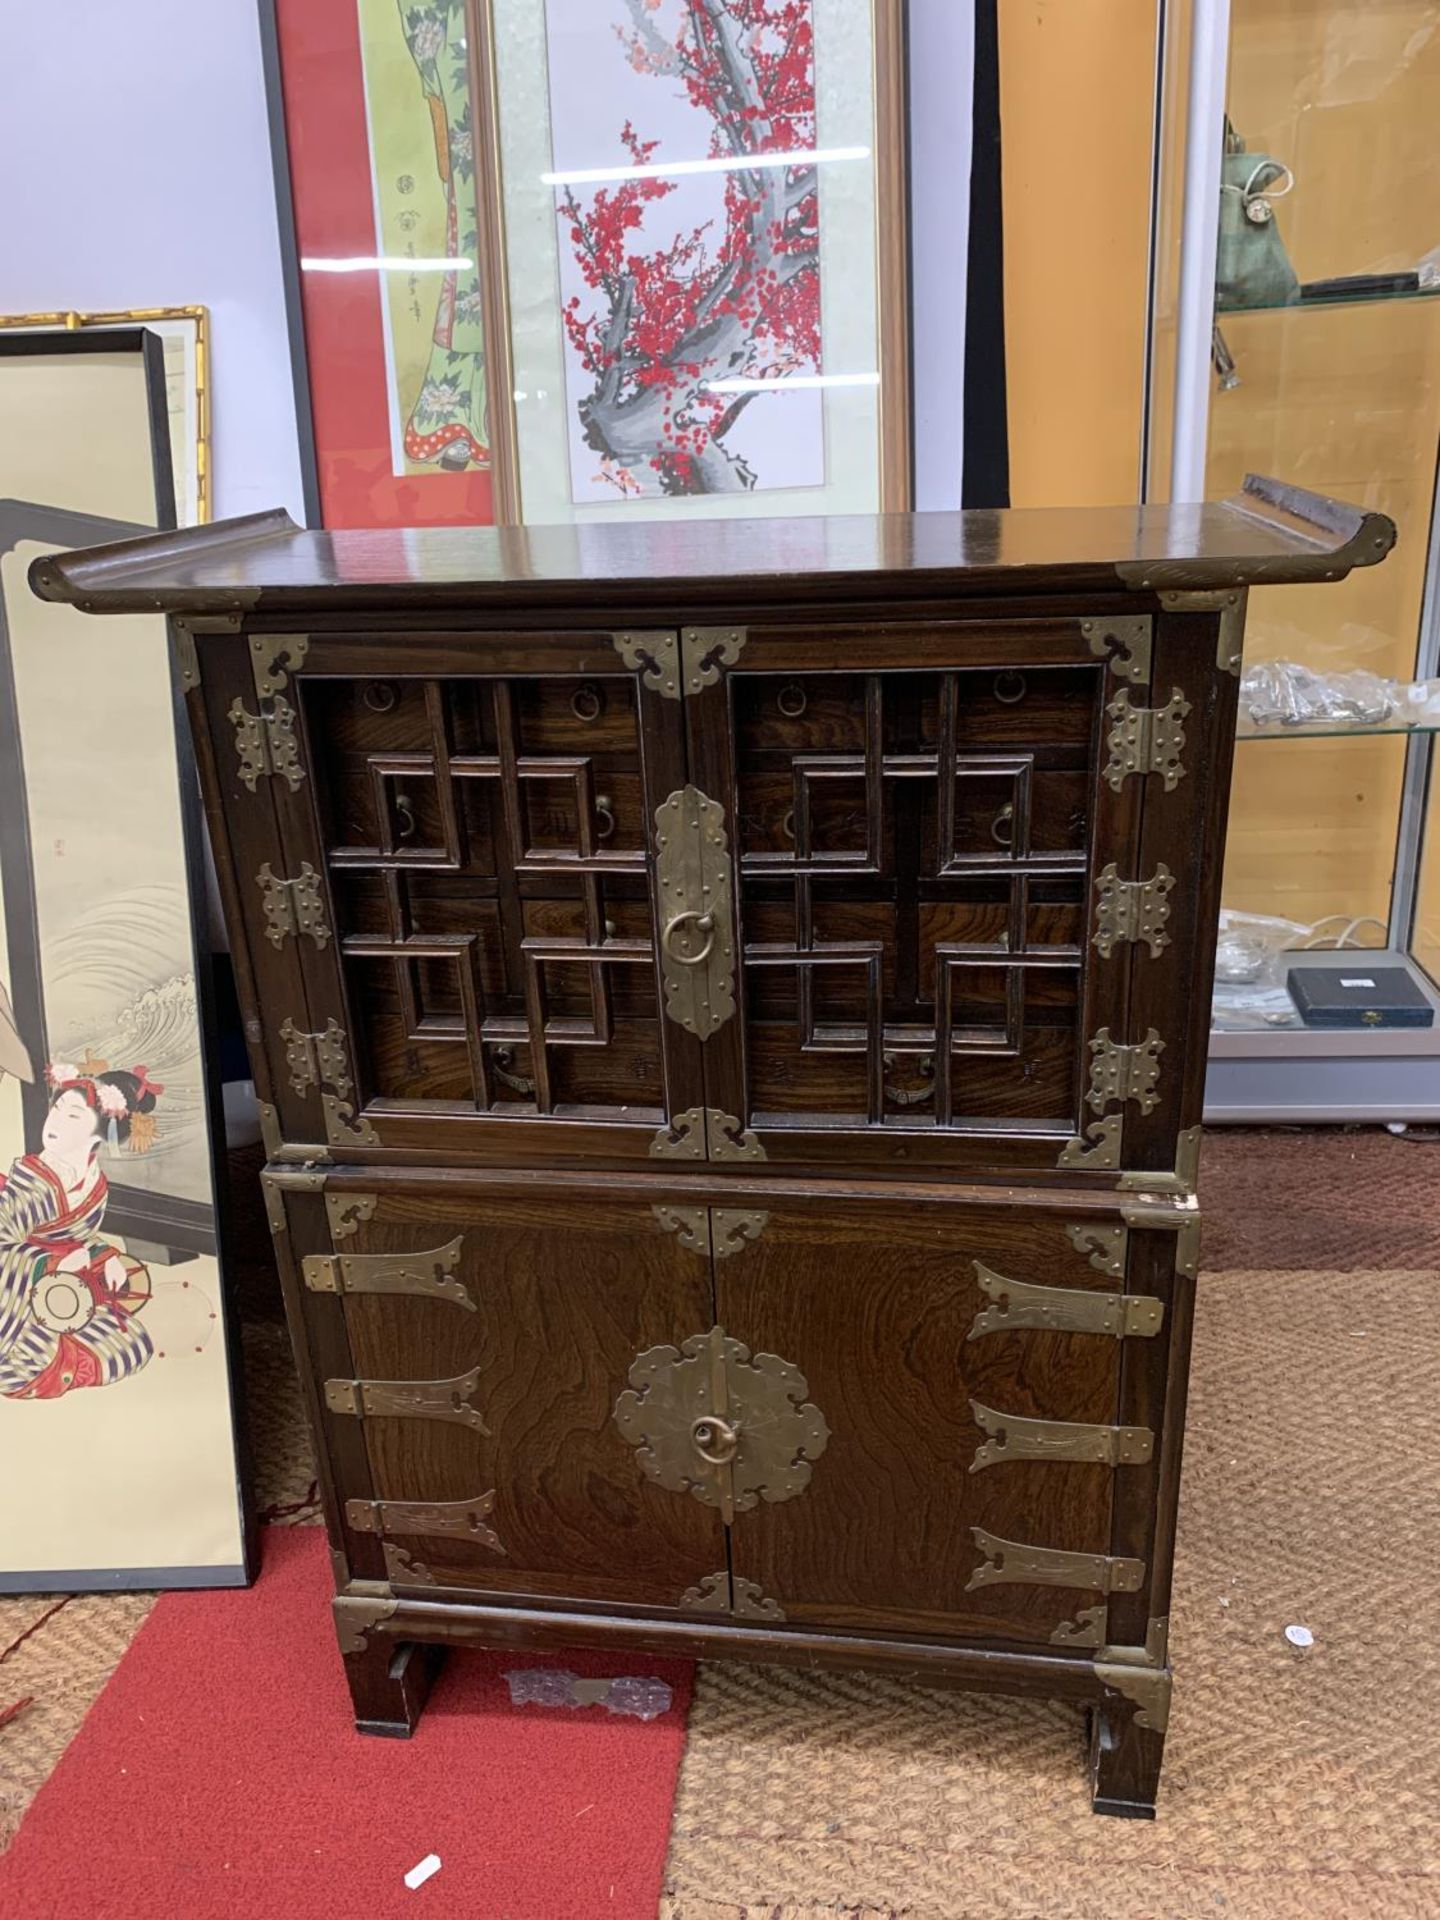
1325,730
1222,314
1259,1037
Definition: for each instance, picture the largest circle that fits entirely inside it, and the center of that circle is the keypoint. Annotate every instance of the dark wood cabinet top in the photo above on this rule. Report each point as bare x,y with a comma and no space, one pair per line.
265,563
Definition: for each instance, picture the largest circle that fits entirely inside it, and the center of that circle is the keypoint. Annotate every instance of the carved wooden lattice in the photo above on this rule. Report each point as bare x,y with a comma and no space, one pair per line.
487,854
913,870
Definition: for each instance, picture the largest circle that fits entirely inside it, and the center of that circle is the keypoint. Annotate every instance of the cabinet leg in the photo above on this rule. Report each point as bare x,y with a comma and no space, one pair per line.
389,1682
1124,1762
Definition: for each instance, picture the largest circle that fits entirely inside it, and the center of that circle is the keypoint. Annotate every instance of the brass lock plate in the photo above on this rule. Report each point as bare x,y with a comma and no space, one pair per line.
694,897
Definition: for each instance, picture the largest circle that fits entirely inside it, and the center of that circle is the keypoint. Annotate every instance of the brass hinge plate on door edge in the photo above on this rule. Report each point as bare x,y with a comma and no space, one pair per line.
1020,1305
1120,1073
440,1519
1146,740
427,1276
1133,911
408,1399
322,1061
1017,1437
265,743
294,909
1018,1563
693,878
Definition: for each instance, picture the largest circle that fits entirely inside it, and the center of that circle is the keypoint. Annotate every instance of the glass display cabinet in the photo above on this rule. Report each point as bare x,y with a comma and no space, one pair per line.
1308,344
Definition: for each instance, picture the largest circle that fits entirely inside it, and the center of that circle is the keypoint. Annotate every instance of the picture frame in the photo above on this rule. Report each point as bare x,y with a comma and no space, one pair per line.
106,1015
811,413
184,333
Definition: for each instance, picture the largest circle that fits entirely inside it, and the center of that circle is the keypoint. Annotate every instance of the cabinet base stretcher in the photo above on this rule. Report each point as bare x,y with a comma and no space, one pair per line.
393,1649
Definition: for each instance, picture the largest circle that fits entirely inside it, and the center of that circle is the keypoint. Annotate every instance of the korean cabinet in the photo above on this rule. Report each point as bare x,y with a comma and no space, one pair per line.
729,1003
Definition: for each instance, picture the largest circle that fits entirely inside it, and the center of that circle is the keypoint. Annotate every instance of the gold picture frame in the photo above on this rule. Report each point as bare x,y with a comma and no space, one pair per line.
187,383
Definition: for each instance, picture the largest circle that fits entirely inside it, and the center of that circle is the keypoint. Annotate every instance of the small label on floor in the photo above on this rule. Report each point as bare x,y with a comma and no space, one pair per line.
417,1876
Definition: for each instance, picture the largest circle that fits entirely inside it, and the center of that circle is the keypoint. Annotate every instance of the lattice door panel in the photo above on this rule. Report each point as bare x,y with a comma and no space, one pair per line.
914,874
487,853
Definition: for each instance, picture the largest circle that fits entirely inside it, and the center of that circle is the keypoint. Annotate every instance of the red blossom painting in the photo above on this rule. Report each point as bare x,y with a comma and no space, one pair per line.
690,293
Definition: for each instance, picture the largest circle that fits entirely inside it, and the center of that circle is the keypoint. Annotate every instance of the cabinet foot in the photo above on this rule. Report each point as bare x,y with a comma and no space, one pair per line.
389,1684
1124,1764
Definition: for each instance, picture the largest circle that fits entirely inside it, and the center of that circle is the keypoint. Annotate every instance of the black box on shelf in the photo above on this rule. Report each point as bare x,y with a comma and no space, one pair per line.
1359,996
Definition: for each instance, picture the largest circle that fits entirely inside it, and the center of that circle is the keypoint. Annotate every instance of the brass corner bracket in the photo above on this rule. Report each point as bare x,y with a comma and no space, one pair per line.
1123,641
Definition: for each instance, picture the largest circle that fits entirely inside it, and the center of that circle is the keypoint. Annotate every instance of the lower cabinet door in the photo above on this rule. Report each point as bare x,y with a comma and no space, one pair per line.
955,1433
489,1339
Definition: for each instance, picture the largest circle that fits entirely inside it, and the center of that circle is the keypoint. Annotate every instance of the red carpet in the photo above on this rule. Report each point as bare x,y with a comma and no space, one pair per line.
219,1774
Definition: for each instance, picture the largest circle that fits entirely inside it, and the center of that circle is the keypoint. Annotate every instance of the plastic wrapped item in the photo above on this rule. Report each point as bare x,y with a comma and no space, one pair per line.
1283,693
1252,961
640,1695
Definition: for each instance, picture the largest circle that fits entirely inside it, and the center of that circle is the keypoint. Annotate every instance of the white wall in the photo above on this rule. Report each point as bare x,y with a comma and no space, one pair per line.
942,87
135,172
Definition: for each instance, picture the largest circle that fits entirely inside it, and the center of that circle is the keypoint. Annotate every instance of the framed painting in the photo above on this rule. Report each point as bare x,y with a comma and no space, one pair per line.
184,336
559,260
375,131
113,1310
704,211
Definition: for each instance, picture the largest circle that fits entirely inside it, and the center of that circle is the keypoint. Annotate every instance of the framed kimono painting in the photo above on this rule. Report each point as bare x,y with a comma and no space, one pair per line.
116,1382
562,260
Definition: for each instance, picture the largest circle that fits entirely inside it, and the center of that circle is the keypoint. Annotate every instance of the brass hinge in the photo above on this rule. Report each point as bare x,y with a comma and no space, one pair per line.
447,1519
273,658
1229,603
1123,640
708,1420
1022,1304
293,907
322,1060
1146,740
1016,1437
705,651
721,1593
697,940
1119,1073
266,743
347,1211
408,1399
1132,910
1017,1563
274,1206
702,1133
428,1275
1096,1148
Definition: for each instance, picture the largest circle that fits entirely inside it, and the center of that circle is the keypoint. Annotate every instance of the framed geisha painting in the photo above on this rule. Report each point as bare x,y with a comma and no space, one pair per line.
600,259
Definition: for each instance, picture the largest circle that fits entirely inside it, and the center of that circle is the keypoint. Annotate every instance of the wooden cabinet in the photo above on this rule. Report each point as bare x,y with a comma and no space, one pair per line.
729,1005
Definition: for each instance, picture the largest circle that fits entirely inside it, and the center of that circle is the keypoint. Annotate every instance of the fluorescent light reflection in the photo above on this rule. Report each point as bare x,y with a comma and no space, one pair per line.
793,380
721,163
387,263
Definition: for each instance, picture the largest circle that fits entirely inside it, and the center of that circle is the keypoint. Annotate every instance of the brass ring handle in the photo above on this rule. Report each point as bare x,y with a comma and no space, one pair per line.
381,696
587,703
791,700
1005,819
787,825
407,815
1010,679
605,817
714,1439
704,922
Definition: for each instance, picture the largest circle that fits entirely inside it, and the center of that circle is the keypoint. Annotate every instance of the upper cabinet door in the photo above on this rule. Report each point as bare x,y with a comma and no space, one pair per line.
443,851
931,833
